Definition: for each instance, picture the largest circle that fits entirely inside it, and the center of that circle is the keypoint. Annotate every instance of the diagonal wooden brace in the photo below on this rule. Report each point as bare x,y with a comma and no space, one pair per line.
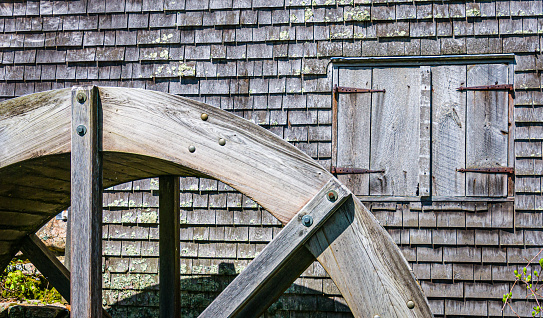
49,266
281,262
47,263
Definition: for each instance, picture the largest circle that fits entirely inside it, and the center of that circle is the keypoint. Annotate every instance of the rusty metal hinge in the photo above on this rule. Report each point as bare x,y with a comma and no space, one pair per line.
508,170
342,89
343,170
508,87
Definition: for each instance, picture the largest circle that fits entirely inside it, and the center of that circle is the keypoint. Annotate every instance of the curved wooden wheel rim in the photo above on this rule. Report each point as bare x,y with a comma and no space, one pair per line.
148,133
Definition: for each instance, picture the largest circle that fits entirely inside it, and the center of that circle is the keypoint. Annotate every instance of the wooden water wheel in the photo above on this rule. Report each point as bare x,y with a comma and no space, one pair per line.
120,134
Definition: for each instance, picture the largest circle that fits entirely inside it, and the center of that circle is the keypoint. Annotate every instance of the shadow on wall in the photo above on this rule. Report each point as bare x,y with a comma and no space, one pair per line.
197,292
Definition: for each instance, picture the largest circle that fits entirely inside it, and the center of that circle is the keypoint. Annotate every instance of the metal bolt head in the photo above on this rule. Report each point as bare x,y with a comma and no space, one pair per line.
222,141
332,196
204,116
81,97
410,304
192,148
81,130
307,220
376,316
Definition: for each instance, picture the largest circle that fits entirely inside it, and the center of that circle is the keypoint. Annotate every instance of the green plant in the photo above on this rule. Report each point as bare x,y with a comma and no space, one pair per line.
532,284
16,285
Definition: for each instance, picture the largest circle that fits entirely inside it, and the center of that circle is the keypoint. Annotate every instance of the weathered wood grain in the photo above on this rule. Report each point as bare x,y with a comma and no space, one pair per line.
353,128
251,167
174,121
487,130
169,272
352,238
395,124
262,273
448,130
424,131
86,206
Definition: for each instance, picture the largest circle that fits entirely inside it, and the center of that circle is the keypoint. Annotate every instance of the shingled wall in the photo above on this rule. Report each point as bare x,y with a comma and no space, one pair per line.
268,61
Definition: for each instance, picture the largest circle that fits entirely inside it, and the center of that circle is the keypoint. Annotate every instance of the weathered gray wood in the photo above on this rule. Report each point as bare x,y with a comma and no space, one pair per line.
511,138
386,280
86,208
68,247
487,130
424,131
278,283
169,272
448,130
395,124
370,198
47,263
261,274
353,128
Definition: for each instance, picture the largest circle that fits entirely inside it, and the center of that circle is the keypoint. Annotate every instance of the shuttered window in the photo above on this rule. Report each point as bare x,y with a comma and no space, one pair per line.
417,134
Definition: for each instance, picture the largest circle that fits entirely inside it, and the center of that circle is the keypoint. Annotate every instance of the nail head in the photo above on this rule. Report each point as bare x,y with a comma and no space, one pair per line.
410,304
81,130
332,196
307,220
222,141
81,97
192,148
204,116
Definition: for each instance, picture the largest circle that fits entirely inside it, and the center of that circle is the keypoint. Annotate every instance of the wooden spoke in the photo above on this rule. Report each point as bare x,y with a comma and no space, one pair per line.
268,272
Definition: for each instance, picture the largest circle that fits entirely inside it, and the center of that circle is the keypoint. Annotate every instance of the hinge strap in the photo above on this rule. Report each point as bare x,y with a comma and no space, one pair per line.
342,89
508,170
508,87
343,170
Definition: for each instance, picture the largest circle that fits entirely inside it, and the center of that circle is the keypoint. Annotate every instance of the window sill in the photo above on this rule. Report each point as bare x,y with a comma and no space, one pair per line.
372,198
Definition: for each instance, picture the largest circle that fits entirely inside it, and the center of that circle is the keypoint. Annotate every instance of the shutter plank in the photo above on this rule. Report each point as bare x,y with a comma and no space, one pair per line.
354,128
448,130
487,130
424,149
395,125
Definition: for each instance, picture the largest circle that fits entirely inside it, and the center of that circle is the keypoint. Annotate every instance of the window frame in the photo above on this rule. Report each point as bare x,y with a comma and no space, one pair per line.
429,61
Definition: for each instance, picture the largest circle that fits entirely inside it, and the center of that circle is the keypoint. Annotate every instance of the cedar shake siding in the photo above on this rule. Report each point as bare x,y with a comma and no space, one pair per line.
273,62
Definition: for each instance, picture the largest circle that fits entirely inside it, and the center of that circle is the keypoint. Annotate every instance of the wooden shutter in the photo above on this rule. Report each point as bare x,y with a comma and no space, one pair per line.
448,130
469,130
385,131
395,124
353,128
487,130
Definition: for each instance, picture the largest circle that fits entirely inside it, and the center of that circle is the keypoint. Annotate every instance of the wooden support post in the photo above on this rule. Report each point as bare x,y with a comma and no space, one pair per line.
169,272
281,262
67,249
86,208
